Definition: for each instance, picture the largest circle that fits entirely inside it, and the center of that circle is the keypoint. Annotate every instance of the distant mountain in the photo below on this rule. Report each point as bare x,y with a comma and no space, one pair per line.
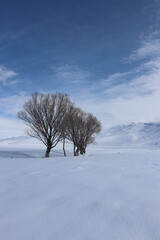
134,135
15,139
21,141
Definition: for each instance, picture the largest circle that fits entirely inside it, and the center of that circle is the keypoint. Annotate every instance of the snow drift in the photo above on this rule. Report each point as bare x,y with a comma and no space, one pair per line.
111,195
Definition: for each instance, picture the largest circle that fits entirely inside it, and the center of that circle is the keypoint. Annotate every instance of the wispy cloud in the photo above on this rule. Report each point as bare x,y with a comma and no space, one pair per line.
71,73
7,75
9,124
11,127
121,97
149,47
141,81
132,95
126,105
115,78
11,105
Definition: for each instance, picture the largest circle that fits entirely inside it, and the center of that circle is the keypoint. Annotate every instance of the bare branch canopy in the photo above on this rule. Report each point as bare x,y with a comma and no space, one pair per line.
53,117
45,115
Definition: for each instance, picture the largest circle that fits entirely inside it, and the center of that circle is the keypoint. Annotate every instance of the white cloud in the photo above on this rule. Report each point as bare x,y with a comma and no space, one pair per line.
144,80
11,127
121,110
132,96
149,47
7,74
114,78
11,105
71,73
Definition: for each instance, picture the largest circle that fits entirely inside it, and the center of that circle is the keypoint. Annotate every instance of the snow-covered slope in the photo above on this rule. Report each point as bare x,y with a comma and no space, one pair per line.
21,141
28,147
134,135
108,196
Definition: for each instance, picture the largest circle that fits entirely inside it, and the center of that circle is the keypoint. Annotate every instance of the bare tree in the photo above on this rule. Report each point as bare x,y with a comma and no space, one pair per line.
45,115
89,126
81,129
71,128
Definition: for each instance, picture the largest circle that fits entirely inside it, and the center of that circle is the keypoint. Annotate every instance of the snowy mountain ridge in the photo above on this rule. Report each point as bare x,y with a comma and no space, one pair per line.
134,135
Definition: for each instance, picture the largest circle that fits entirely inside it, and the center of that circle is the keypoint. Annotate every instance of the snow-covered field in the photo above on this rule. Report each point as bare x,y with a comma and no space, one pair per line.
110,194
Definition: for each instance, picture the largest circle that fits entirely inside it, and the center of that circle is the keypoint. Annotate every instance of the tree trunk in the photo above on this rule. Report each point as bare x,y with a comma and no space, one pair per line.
77,151
74,149
82,150
64,151
47,151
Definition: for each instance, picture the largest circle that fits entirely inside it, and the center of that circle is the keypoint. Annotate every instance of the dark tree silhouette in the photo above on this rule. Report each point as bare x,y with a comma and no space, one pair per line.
71,126
81,129
45,115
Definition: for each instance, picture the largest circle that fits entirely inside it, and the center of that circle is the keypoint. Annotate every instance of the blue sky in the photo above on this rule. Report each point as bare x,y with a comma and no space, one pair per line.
104,54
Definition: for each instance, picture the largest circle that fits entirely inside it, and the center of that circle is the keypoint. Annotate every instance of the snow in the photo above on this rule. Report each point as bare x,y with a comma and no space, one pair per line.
108,194
134,135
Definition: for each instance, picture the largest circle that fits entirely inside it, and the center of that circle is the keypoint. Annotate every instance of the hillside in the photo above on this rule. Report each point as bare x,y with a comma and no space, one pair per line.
134,135
113,195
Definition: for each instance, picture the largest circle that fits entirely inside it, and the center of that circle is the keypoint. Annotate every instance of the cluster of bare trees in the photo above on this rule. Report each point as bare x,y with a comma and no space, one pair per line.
52,118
